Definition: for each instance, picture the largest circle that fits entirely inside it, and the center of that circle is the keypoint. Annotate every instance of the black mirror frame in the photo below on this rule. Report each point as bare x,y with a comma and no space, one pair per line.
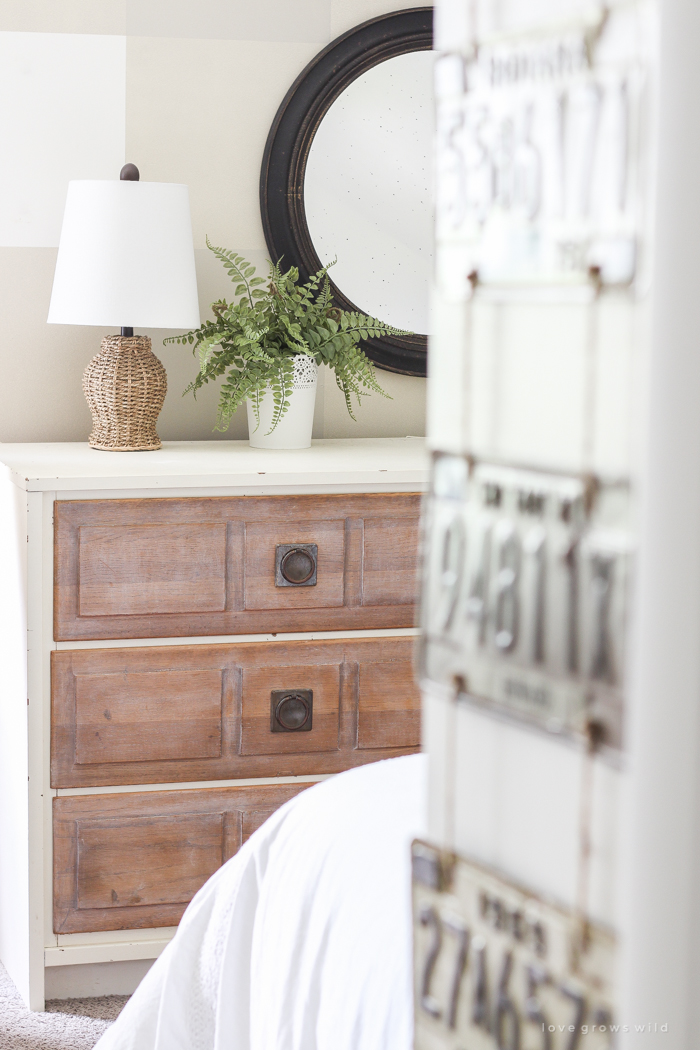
287,150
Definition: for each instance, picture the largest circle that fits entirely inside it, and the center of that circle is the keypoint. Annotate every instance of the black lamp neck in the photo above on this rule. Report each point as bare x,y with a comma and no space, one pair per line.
129,173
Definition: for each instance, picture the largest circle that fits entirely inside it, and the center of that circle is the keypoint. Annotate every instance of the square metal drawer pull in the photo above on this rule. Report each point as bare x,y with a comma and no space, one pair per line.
291,710
295,564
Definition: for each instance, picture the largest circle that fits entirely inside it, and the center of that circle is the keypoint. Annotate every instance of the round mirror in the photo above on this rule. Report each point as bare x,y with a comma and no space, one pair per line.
367,190
346,176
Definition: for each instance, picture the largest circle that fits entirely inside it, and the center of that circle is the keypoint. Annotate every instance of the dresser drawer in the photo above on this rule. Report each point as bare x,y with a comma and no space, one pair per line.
159,568
213,712
131,861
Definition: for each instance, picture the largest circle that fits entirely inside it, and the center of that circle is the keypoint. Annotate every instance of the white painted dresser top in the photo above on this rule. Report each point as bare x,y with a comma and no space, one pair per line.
342,464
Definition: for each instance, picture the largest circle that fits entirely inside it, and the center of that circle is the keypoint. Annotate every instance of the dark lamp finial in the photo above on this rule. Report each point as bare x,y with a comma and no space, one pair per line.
129,173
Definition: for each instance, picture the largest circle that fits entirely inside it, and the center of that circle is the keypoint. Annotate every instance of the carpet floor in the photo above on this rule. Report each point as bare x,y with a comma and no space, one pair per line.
67,1024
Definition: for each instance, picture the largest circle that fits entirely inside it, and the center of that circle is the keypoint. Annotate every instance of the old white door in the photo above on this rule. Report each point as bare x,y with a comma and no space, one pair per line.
561,614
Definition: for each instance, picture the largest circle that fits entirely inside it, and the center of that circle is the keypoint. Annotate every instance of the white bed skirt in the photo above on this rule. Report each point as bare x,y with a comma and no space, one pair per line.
303,940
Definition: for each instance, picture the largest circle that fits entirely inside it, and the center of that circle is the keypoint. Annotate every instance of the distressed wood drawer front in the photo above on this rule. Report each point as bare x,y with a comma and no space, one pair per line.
148,715
208,712
257,685
133,570
158,568
388,714
261,541
389,561
134,861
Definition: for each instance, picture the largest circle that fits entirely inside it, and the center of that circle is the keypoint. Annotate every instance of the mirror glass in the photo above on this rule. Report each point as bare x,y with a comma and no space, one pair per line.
367,191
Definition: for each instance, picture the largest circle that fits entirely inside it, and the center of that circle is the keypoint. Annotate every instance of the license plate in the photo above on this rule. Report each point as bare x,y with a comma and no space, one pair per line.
524,593
498,968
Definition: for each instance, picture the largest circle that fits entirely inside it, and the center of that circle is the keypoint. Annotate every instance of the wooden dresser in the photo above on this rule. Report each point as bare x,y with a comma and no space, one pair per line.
189,638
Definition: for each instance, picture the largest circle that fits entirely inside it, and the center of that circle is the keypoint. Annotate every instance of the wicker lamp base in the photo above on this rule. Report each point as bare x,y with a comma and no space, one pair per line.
125,387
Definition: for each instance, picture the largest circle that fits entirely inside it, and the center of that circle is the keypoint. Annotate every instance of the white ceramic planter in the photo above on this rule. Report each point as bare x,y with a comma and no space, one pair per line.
294,429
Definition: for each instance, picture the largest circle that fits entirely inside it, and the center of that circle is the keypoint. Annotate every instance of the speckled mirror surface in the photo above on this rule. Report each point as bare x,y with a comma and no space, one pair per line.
367,190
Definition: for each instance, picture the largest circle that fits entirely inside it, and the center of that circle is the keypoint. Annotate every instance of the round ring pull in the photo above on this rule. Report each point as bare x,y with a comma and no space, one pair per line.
297,565
293,711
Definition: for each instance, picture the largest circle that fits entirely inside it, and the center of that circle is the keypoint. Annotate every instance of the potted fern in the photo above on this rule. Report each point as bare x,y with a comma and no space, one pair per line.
267,345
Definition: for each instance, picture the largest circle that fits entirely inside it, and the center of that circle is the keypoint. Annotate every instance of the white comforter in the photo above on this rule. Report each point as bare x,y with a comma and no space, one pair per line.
302,941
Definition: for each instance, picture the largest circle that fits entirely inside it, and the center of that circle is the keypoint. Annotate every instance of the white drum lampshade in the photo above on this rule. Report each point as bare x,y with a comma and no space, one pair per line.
126,260
126,257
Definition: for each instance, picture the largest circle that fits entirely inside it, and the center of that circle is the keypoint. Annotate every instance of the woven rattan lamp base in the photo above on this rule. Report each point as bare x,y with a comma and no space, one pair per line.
125,387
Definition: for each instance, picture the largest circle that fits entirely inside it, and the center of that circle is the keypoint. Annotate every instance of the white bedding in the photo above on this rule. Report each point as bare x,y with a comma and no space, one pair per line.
302,941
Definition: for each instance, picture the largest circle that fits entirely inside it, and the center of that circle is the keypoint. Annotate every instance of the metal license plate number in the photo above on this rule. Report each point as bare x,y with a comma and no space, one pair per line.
524,592
498,968
527,129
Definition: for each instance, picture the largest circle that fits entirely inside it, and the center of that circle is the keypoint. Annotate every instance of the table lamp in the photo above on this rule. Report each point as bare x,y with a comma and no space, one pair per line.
126,259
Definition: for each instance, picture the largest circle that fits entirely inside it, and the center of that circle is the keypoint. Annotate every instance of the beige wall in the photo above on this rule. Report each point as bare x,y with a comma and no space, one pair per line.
87,84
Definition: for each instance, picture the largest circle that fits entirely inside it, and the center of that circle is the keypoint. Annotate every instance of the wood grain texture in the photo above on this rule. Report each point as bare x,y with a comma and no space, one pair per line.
206,710
134,861
261,540
159,568
389,705
118,859
390,561
259,682
148,715
139,569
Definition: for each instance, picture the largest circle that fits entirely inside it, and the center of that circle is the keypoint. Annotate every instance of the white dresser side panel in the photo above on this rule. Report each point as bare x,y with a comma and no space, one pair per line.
39,644
14,854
